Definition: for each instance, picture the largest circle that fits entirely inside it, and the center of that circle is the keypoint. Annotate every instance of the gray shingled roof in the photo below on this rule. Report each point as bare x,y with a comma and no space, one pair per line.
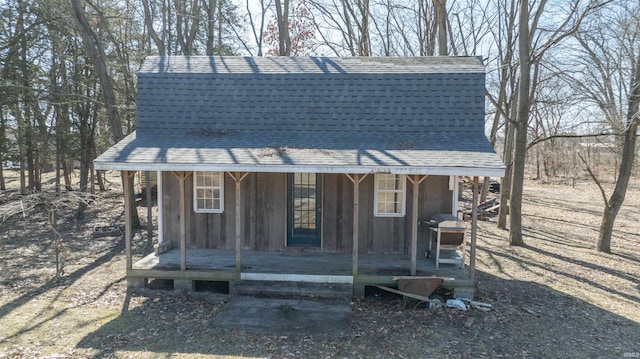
276,114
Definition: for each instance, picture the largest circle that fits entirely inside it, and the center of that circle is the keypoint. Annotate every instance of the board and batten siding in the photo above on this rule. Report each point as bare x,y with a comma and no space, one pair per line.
265,215
263,207
378,234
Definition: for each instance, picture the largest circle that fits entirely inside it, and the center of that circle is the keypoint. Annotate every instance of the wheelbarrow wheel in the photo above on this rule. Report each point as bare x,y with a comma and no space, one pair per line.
437,301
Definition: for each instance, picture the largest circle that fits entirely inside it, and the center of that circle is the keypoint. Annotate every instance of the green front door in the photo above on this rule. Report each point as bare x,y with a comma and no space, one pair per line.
303,207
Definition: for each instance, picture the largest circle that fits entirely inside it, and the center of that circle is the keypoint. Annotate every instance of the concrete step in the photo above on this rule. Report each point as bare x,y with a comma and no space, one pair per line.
283,289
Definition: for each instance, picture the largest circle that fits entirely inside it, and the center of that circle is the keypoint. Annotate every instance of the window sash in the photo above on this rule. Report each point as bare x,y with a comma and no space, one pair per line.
390,195
208,192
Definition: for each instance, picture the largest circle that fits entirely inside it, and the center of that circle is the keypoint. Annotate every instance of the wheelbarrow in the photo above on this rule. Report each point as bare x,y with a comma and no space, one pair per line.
420,288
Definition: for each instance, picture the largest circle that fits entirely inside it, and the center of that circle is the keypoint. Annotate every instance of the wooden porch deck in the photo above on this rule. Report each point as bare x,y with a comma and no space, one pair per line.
219,265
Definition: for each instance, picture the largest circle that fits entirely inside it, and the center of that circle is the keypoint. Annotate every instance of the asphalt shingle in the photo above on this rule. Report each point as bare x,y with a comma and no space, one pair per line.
411,115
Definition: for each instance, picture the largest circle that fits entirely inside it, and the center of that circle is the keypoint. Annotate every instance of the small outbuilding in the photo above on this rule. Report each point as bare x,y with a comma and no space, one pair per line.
322,170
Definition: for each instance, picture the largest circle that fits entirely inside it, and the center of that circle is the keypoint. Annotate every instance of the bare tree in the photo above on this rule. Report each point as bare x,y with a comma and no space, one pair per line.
611,52
95,49
503,81
533,43
257,30
350,19
521,123
148,21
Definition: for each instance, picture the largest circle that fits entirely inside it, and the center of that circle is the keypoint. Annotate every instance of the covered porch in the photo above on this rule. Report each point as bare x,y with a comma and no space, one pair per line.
185,265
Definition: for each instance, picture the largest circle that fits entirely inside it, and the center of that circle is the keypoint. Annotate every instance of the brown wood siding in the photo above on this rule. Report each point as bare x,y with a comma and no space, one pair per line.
266,210
264,214
337,211
377,234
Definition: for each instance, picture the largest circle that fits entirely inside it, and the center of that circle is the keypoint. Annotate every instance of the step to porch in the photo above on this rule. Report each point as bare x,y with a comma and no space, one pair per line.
282,289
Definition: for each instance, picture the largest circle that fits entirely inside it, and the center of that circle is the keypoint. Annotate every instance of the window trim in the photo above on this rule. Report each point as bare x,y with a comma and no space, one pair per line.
195,193
402,192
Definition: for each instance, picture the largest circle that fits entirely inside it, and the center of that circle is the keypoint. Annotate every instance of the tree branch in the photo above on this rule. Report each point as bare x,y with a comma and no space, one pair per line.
561,135
595,179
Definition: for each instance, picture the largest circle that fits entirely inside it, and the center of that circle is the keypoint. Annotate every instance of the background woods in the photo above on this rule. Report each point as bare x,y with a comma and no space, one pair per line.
562,77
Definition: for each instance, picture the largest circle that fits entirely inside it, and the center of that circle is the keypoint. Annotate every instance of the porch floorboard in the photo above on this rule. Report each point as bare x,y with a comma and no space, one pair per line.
298,262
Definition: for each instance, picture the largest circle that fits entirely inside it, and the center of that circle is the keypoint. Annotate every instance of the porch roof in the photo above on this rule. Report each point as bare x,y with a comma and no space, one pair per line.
296,151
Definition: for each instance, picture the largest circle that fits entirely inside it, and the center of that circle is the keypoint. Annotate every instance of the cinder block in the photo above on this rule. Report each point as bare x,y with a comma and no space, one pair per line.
184,285
358,290
464,292
136,282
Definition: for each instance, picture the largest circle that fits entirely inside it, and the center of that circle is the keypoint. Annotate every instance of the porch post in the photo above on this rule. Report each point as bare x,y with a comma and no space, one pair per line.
147,180
160,210
238,177
414,226
356,212
183,230
127,218
474,230
238,227
455,193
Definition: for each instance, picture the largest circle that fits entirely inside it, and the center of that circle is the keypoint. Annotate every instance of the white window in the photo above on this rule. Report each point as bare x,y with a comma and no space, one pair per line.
208,192
389,197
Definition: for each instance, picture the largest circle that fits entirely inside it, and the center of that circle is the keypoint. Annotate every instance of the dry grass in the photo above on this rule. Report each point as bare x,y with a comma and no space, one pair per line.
554,298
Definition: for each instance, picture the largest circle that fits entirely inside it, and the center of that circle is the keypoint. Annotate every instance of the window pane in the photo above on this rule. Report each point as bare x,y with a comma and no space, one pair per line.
399,182
382,182
206,193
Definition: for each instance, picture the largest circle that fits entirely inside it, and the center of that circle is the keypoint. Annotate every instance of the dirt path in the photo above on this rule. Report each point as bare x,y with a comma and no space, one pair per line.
553,298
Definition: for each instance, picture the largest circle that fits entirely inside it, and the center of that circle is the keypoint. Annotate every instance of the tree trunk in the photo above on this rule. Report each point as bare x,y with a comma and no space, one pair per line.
486,182
520,139
365,46
284,39
193,28
2,148
100,179
148,21
211,11
441,20
505,187
96,52
613,205
25,73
